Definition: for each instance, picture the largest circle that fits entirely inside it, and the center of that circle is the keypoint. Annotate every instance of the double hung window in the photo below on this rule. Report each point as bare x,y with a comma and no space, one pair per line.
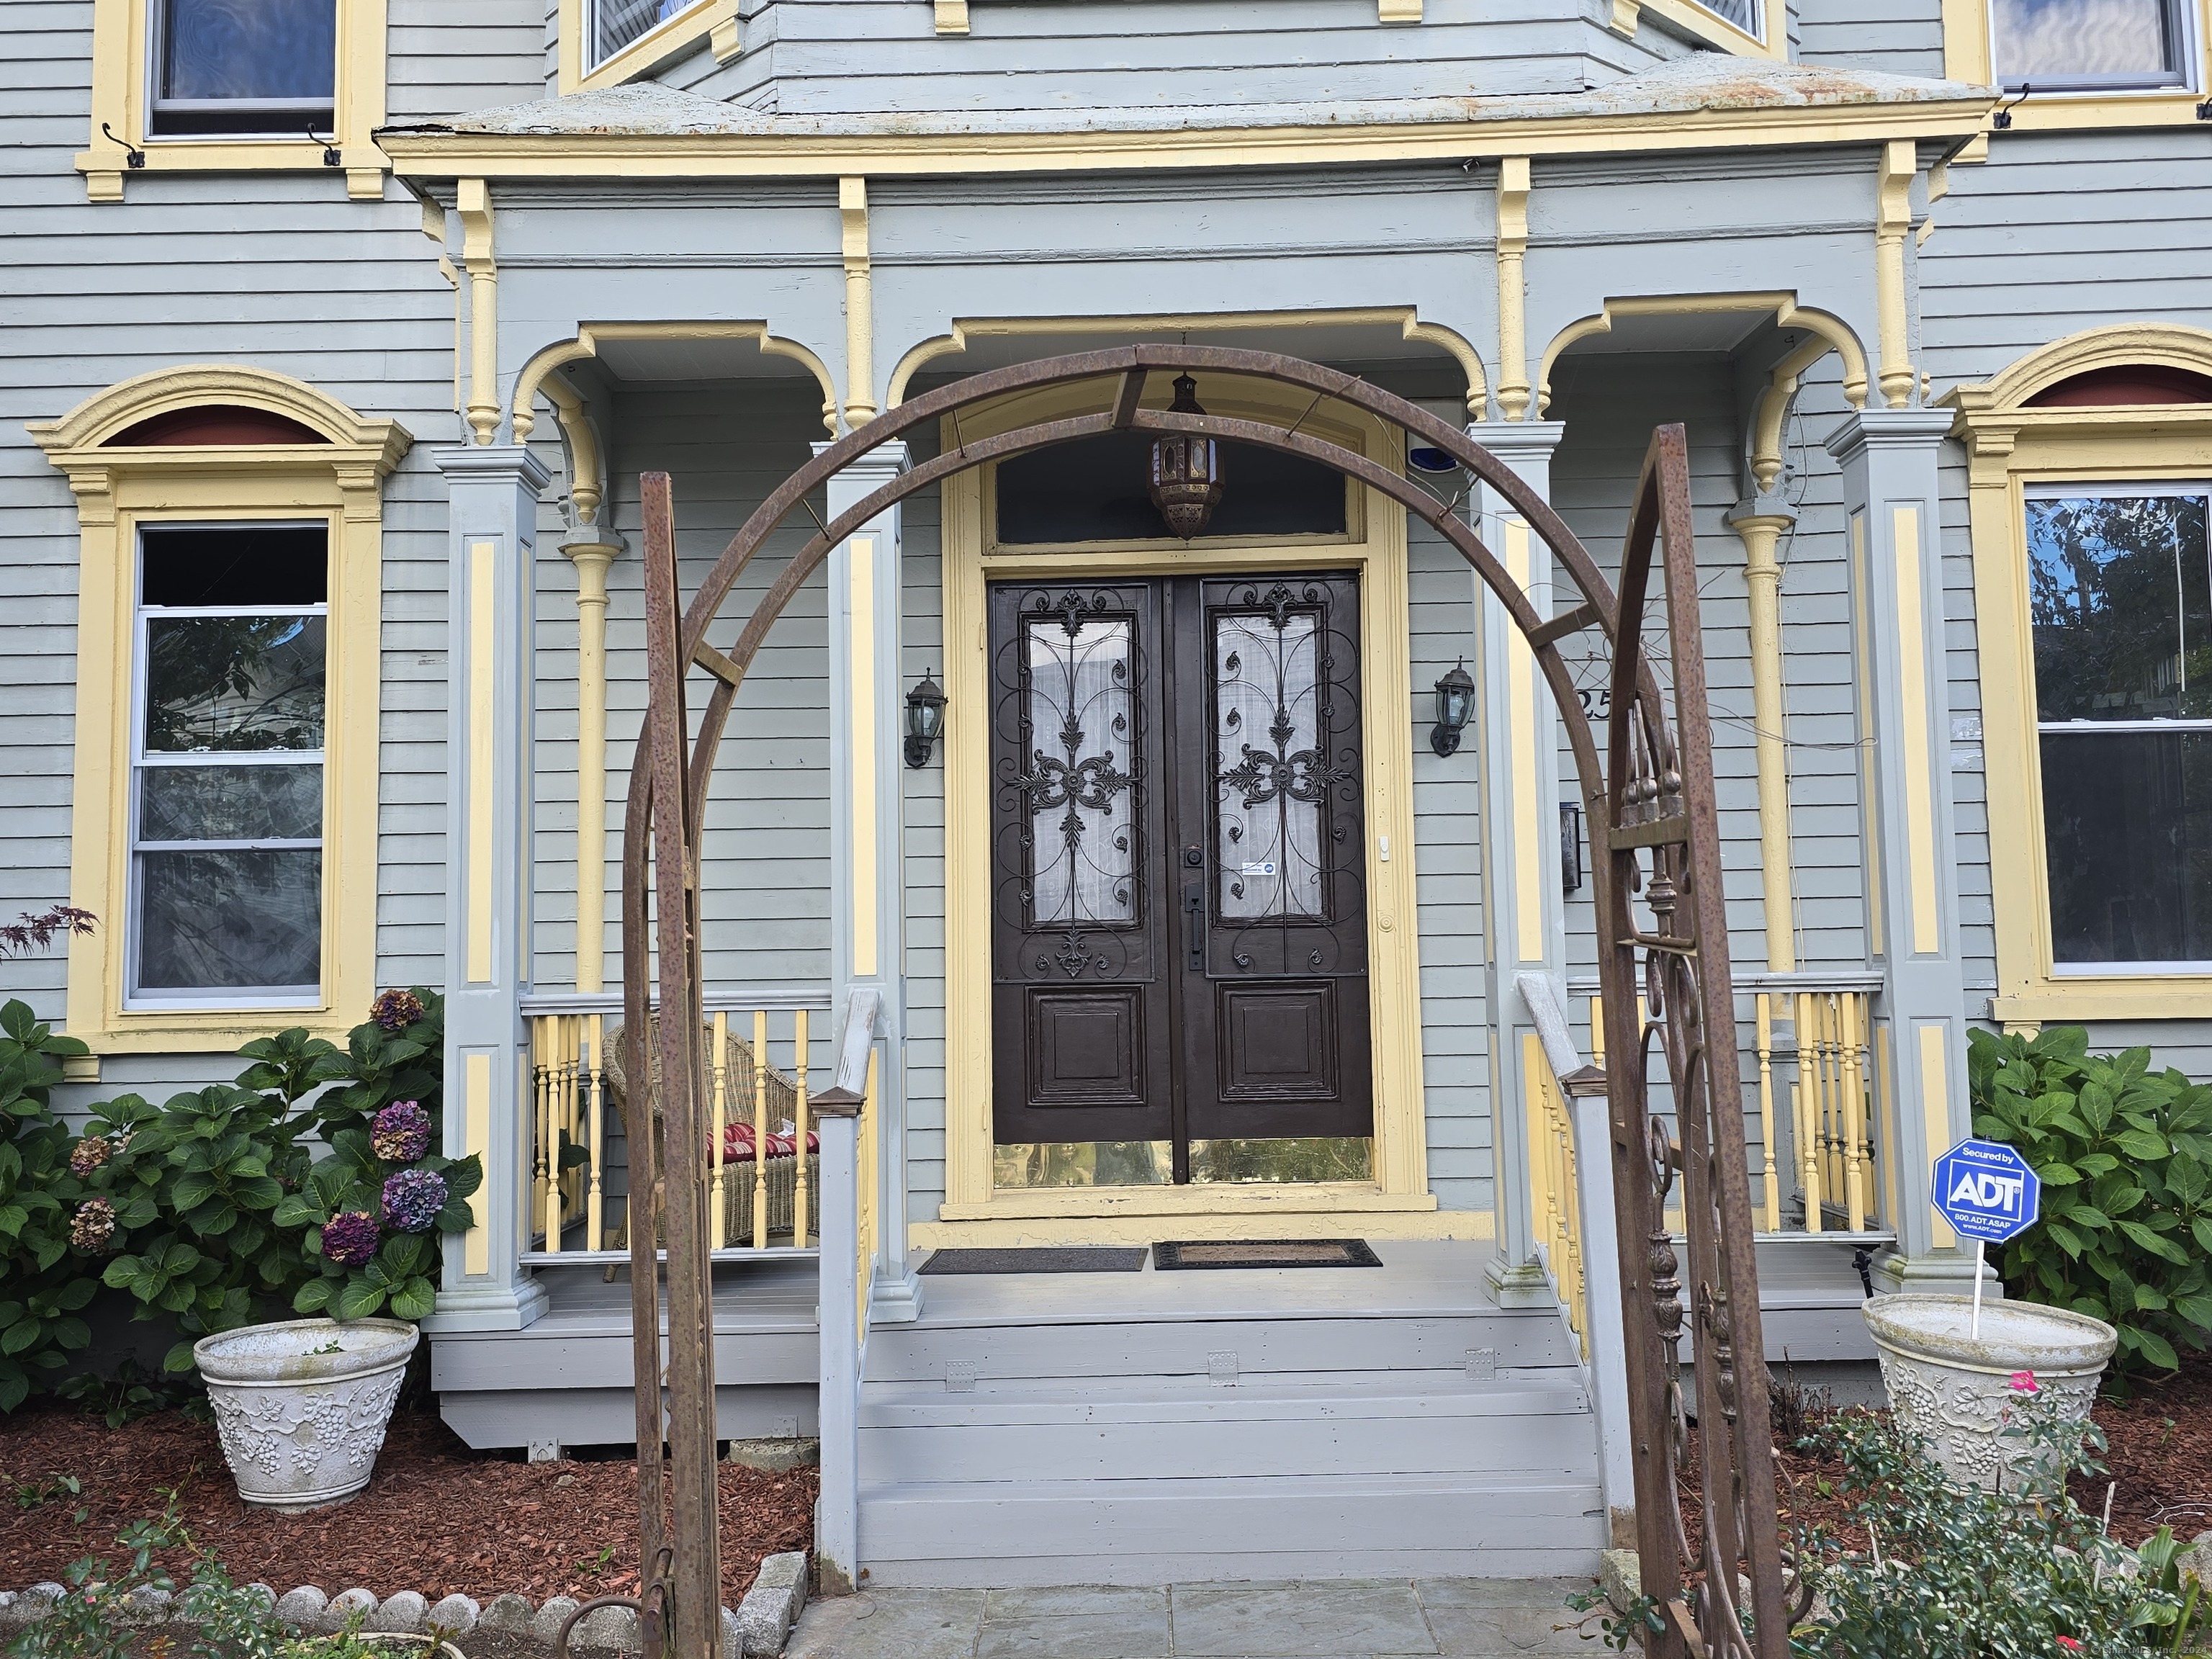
2120,598
2082,46
230,691
227,68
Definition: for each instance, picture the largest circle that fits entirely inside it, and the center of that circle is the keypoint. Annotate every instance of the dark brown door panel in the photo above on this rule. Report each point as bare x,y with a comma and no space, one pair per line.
1085,1047
1276,1043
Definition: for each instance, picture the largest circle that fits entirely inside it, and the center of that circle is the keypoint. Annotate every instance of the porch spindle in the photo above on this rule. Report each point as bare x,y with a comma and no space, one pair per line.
549,1119
541,1117
1767,1110
1854,1105
1807,1107
595,1237
798,1123
760,1128
717,1153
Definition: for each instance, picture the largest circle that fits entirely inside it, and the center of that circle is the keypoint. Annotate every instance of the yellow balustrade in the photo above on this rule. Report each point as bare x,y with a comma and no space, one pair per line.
570,1118
1555,1207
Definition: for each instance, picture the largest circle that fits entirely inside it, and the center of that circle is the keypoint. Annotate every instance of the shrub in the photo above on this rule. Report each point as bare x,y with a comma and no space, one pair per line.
45,1280
1954,1572
2125,1157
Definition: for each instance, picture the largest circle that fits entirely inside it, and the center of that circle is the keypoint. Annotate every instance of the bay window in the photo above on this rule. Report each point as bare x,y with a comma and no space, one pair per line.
227,820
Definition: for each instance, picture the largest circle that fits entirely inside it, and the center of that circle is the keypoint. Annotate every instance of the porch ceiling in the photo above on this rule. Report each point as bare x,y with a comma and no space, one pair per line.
696,360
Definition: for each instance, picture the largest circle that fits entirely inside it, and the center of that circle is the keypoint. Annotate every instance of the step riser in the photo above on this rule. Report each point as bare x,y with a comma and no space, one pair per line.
1558,1447
1189,1567
1192,1348
1002,1539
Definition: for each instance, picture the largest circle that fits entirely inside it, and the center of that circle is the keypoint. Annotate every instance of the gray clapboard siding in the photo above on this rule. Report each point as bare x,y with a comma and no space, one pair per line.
444,58
1894,37
921,640
849,56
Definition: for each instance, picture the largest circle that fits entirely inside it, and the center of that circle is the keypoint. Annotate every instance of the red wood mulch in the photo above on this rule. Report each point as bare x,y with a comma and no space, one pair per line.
437,1517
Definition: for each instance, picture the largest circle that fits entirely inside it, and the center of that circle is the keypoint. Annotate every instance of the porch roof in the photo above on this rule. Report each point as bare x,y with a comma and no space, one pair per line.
1700,101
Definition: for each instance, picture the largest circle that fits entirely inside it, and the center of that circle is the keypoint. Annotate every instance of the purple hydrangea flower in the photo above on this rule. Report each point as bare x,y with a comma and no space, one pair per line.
412,1200
350,1238
395,1010
92,1228
400,1134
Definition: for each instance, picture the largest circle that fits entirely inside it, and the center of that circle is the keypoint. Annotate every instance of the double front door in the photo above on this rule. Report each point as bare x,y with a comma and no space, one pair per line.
1179,929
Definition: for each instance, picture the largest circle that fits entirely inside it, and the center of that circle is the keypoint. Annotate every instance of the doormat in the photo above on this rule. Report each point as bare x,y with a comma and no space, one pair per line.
1172,1257
1042,1259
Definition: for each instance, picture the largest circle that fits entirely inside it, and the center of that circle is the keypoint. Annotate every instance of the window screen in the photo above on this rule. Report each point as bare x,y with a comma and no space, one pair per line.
227,810
1095,489
2059,44
243,66
2121,596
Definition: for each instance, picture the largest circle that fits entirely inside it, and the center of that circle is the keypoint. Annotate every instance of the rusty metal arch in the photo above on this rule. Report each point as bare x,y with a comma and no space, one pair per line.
1650,795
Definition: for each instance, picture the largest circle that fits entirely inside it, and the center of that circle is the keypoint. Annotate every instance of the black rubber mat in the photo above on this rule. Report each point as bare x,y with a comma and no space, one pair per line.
1178,1256
1041,1258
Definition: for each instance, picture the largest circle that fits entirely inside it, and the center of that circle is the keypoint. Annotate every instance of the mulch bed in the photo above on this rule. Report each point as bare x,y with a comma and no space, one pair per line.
437,1519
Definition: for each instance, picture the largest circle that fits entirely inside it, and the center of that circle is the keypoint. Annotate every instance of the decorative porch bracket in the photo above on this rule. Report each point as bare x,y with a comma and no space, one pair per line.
1650,797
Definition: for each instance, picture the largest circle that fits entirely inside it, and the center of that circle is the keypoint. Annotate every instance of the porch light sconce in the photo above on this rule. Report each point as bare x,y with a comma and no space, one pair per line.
1570,848
1186,483
925,720
1455,708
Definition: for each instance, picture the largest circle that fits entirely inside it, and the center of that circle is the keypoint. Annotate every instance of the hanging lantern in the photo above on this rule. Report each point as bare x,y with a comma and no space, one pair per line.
1186,469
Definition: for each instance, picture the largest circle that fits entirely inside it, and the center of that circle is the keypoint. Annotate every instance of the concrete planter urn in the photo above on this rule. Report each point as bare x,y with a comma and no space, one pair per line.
301,1405
1955,1388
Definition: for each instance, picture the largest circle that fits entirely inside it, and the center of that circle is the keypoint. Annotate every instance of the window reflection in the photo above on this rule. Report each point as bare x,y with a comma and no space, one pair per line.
2055,44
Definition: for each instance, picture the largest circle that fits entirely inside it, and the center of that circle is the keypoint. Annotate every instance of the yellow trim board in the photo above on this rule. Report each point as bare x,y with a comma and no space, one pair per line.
860,659
1378,555
118,487
1919,784
121,77
1694,20
1318,1217
2009,447
537,374
483,557
747,155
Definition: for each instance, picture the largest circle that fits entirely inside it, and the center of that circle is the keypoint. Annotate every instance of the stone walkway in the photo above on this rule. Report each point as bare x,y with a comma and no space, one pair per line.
1313,1618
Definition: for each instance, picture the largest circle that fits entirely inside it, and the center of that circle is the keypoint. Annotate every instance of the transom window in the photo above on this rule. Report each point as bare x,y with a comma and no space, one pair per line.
2120,593
226,799
231,67
1093,489
613,24
2059,45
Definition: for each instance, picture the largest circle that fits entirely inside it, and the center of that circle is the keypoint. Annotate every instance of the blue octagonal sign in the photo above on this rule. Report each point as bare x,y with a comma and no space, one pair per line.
1986,1190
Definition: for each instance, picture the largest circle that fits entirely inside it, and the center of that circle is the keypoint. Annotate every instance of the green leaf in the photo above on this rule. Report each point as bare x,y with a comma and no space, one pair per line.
2145,1144
295,1210
2156,1349
360,1299
2052,1175
2146,1239
314,1296
415,1299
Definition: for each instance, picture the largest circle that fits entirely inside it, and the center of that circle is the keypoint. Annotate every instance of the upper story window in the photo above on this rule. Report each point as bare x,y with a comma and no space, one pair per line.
2059,45
1745,14
615,23
227,825
2120,595
232,67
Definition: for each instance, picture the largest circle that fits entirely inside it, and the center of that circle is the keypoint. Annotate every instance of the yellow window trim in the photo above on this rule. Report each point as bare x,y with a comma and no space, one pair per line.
1967,58
117,489
2010,446
1377,551
714,22
121,75
1694,20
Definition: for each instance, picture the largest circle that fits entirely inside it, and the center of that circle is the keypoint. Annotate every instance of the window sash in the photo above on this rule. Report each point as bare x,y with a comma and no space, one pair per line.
598,49
2177,26
142,761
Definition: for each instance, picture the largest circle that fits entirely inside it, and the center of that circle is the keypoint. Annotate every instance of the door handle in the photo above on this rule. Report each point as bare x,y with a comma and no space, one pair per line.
1193,904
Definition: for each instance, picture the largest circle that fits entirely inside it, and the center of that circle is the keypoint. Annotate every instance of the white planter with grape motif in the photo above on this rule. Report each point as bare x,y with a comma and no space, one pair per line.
301,1405
1955,1388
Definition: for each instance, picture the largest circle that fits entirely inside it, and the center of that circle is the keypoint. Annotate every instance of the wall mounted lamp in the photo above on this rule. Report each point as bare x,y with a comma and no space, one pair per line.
1455,708
925,720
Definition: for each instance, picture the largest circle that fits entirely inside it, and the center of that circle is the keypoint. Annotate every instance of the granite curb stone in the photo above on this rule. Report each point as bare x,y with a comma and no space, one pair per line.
300,1608
457,1615
343,1608
399,1615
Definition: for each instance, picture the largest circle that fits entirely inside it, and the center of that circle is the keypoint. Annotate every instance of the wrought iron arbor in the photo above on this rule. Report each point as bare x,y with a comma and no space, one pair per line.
1650,791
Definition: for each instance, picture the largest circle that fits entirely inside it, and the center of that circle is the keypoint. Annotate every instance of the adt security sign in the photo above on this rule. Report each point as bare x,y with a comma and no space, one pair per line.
1986,1190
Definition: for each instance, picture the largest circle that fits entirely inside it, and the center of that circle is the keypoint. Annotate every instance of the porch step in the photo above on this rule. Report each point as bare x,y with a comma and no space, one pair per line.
1147,1430
1203,1527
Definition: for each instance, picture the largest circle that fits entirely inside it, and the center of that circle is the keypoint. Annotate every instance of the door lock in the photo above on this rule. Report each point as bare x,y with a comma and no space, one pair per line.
1193,905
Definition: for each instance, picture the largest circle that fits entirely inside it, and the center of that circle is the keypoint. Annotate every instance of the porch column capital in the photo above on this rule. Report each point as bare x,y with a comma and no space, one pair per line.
492,527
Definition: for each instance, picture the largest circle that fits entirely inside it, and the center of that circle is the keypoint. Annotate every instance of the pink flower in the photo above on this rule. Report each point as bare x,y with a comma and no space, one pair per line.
2024,1382
2066,1642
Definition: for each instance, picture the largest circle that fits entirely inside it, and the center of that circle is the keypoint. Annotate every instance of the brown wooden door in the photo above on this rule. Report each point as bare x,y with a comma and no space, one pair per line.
1179,928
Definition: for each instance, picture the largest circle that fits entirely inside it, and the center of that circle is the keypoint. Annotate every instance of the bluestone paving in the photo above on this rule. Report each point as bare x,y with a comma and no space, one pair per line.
1303,1619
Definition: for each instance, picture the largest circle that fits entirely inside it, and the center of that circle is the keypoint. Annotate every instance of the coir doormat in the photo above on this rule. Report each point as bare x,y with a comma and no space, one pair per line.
1174,1256
1039,1259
